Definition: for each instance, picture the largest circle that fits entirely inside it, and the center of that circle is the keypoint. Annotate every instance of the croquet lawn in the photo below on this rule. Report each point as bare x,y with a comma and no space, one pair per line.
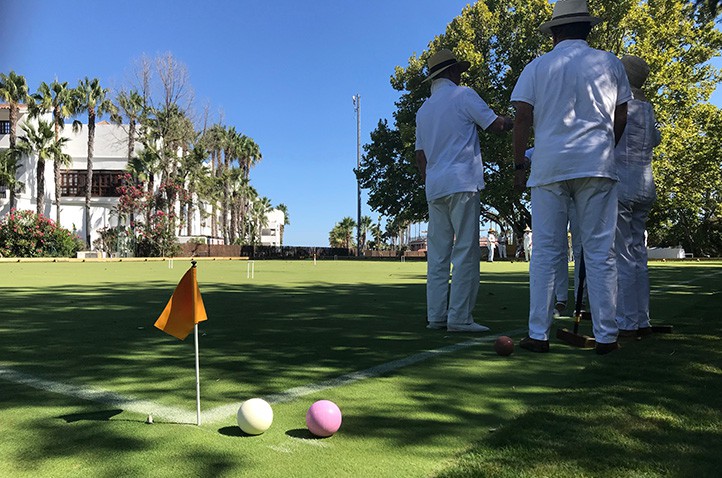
82,367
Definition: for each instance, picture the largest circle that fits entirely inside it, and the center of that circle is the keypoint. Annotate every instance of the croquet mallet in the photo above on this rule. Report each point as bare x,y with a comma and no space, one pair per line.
574,338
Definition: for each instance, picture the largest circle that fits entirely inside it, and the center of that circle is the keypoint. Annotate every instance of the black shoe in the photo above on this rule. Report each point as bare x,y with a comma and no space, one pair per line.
644,332
604,349
534,345
625,334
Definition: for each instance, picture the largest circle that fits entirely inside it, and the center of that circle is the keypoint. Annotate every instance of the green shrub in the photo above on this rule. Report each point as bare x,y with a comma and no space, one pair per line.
26,234
156,237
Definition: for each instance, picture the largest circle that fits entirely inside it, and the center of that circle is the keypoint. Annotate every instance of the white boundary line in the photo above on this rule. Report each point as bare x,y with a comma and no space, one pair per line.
222,412
98,396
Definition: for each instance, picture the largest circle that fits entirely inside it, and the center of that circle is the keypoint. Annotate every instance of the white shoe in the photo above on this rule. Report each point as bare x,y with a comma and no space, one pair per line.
472,327
436,325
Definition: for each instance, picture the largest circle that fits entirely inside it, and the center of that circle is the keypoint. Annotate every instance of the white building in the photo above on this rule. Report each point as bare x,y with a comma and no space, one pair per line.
271,233
109,165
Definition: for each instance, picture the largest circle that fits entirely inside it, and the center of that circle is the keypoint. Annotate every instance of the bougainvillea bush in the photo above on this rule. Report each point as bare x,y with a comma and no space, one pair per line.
26,234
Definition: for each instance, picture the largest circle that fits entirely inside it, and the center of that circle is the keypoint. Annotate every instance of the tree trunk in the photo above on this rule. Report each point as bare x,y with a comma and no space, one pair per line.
56,169
40,209
13,141
89,174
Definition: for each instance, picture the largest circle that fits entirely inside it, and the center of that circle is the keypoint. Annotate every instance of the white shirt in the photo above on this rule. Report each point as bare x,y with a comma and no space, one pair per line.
446,133
633,154
574,90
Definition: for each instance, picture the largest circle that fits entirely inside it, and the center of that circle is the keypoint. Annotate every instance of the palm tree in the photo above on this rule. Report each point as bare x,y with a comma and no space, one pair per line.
378,234
364,227
91,97
9,166
14,91
347,226
194,170
248,154
286,220
260,210
56,98
230,143
43,143
337,236
213,142
130,105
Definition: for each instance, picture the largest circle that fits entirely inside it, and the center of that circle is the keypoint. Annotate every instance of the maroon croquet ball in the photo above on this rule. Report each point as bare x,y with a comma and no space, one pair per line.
504,346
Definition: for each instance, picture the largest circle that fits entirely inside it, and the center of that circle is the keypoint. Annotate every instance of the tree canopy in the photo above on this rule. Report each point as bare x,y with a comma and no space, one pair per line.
498,38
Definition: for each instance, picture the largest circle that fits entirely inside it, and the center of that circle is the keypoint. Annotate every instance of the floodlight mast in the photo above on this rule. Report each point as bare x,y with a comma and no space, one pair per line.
357,108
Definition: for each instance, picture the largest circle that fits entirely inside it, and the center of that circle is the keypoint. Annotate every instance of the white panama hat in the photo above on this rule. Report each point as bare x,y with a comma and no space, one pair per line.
441,60
569,11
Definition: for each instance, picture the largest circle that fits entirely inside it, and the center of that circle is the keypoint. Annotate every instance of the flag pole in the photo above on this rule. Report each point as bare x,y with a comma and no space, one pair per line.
198,381
198,369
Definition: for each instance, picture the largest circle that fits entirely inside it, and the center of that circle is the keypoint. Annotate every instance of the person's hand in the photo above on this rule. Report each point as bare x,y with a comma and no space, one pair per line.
519,180
508,123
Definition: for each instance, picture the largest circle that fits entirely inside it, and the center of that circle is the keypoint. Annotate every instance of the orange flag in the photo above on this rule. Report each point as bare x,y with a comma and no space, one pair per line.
184,309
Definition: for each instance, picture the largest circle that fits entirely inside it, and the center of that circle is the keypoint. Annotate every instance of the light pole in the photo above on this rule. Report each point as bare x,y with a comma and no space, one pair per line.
357,108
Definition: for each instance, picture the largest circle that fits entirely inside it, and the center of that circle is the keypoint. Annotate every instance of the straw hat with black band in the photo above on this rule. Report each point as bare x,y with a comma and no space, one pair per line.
569,11
442,60
637,71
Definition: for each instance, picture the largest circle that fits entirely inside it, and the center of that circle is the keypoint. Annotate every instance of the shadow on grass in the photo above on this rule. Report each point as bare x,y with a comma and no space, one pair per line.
100,415
651,408
302,433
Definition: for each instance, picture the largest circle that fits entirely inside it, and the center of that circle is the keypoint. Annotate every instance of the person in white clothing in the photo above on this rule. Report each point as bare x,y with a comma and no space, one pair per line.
448,156
503,243
491,237
527,243
636,195
576,98
561,279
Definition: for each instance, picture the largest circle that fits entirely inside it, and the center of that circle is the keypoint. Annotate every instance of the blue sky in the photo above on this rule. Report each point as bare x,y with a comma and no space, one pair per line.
282,72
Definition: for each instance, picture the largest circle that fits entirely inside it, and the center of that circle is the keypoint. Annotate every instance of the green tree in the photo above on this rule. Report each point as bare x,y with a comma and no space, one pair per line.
337,236
378,235
286,219
130,106
678,41
90,97
43,143
57,99
260,210
499,38
193,171
346,227
14,91
364,227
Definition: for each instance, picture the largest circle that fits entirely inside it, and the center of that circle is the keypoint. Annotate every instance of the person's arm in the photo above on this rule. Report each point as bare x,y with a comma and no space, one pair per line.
620,122
523,121
421,163
501,124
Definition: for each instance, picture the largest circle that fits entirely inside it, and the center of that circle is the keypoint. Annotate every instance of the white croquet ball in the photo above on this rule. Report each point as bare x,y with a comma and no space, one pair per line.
255,416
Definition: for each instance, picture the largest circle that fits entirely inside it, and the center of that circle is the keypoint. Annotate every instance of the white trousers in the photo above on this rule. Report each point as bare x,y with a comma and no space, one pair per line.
562,281
453,239
595,201
632,273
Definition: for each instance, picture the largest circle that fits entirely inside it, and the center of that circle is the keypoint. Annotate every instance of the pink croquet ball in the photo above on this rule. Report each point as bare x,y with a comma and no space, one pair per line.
323,418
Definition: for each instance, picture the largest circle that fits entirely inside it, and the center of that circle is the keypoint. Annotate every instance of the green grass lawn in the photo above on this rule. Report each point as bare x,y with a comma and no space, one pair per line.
650,409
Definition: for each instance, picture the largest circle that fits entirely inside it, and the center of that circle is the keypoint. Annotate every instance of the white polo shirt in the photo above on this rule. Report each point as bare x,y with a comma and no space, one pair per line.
574,90
446,133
